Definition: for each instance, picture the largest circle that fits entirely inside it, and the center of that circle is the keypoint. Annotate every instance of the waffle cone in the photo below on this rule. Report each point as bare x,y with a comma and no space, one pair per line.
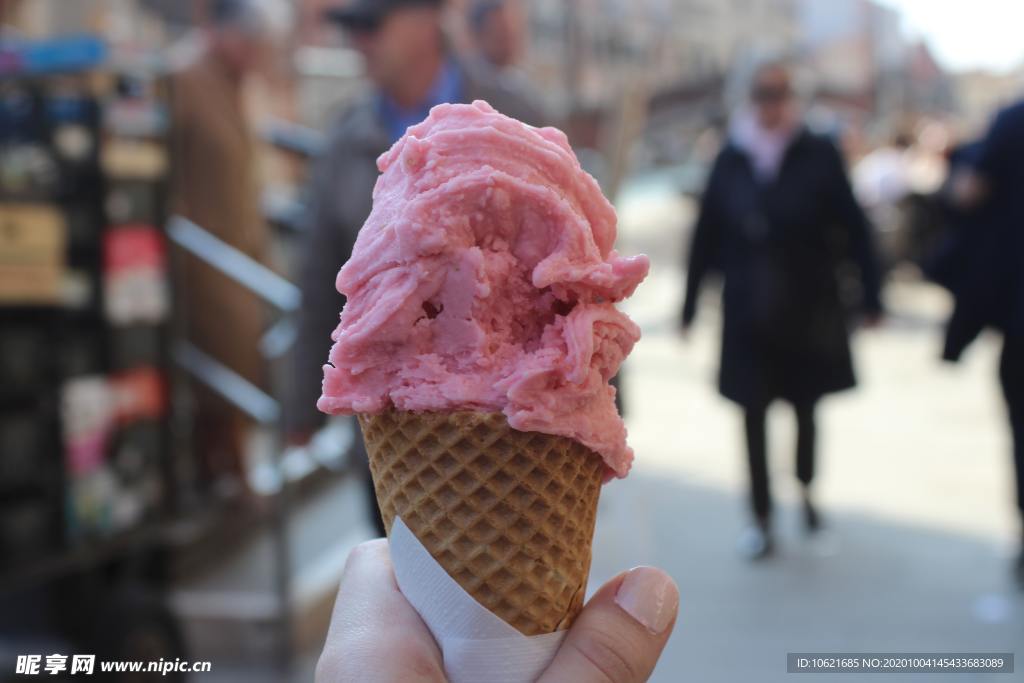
508,514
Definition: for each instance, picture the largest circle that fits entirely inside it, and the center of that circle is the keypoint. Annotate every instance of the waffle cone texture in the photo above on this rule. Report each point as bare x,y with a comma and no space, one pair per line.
508,514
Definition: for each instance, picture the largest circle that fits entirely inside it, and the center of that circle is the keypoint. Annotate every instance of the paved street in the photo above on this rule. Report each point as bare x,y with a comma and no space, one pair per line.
915,483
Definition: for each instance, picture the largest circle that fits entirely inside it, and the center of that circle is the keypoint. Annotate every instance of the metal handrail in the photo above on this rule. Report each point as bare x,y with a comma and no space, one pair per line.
237,265
262,407
295,138
224,381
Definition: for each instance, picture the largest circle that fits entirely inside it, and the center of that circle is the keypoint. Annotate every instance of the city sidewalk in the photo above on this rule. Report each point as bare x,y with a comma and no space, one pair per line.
914,482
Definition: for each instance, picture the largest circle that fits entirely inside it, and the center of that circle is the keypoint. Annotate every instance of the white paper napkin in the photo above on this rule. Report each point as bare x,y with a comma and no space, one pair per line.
478,645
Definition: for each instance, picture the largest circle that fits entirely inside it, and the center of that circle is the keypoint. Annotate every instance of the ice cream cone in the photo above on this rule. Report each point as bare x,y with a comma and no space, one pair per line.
508,514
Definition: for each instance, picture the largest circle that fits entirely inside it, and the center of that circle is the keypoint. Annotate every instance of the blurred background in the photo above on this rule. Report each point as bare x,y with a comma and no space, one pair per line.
180,181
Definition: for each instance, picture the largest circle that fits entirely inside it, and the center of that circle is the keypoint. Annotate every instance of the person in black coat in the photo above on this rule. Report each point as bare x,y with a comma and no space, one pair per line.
778,220
986,269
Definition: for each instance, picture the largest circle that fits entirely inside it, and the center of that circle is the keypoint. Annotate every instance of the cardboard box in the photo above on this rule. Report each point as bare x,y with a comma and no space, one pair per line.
33,248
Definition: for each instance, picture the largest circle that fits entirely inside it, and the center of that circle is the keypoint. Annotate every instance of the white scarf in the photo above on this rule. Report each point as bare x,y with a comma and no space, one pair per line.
765,148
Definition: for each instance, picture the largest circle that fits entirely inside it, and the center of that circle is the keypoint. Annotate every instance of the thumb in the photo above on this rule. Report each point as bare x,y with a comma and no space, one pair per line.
620,634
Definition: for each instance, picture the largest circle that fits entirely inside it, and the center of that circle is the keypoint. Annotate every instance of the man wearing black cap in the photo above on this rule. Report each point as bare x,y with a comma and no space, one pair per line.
412,69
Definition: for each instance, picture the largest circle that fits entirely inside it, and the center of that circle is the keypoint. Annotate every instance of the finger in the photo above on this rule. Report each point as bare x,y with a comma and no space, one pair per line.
375,635
621,632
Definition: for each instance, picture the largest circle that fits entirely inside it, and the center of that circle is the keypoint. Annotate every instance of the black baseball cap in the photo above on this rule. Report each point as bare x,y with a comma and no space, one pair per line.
368,14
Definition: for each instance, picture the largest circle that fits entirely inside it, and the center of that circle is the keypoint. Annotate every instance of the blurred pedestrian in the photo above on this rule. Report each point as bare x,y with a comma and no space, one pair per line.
881,183
965,234
411,69
499,31
10,14
778,220
880,178
498,39
989,280
215,186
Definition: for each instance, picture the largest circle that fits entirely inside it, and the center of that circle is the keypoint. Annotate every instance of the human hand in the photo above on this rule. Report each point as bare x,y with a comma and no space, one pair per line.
621,631
376,636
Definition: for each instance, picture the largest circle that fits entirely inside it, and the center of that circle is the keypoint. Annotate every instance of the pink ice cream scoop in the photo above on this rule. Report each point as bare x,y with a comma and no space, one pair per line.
485,279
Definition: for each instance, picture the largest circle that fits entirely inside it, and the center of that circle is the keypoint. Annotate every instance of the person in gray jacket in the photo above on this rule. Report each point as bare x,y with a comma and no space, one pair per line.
411,69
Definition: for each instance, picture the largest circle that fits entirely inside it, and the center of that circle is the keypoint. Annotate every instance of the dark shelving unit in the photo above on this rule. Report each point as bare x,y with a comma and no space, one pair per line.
85,428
